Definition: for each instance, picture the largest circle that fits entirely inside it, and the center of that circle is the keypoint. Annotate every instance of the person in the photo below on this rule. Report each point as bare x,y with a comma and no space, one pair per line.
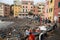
49,21
46,21
55,25
40,20
31,36
27,32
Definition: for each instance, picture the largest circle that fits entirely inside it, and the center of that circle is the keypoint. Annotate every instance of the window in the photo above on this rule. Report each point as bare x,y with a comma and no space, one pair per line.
50,17
34,6
23,10
23,14
34,10
39,10
43,5
26,10
42,8
31,7
47,10
0,6
51,1
15,11
15,8
5,9
59,5
5,13
51,10
26,6
39,4
23,6
26,3
31,3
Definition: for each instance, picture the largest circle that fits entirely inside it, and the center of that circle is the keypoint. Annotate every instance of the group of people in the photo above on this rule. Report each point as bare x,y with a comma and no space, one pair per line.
31,36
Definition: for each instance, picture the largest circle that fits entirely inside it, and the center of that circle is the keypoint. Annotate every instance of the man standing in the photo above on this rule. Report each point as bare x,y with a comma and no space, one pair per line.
31,36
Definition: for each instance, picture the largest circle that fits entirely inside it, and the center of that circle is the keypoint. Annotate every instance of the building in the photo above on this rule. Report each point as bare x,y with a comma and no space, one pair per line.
16,8
51,9
4,10
57,9
12,10
35,10
1,9
40,8
46,10
27,5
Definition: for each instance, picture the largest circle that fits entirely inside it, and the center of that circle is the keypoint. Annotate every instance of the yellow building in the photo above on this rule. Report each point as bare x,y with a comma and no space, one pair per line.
17,10
51,10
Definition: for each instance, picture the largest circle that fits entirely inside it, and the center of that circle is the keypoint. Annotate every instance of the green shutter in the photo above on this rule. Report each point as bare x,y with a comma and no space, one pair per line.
59,5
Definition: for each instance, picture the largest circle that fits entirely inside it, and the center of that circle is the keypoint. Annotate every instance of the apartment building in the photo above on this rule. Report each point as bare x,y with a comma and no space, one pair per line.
4,9
27,5
40,8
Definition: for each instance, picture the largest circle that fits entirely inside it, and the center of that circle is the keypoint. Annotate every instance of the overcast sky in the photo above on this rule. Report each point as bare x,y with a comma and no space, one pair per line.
11,1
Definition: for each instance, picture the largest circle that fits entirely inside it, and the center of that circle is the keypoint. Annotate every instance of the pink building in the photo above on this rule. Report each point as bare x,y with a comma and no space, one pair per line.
35,10
46,10
27,6
57,9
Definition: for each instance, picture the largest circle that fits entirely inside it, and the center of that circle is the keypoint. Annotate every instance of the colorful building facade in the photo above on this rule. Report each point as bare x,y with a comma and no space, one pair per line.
46,10
35,10
27,5
4,10
17,8
1,9
57,9
51,9
40,8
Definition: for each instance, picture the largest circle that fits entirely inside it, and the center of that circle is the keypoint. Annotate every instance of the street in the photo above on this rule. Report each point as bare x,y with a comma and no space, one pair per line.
20,25
56,35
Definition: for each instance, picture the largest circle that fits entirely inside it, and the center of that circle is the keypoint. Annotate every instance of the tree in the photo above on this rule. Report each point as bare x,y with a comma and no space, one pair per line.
11,13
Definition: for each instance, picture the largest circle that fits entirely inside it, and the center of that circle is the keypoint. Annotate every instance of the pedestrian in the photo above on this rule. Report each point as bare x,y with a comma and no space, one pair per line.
54,26
46,20
49,21
27,32
31,36
40,20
